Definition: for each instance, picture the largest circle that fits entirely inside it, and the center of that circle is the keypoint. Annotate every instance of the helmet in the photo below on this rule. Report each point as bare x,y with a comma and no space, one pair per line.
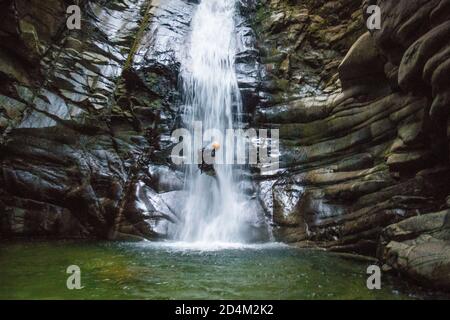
215,145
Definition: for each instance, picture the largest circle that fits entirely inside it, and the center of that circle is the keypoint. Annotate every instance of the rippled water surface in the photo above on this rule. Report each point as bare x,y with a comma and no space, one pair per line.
32,270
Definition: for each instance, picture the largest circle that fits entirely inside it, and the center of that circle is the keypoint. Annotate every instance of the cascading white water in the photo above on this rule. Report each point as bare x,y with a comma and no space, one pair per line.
216,209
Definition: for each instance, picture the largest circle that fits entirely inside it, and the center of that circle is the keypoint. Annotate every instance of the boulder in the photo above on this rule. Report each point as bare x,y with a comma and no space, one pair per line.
419,247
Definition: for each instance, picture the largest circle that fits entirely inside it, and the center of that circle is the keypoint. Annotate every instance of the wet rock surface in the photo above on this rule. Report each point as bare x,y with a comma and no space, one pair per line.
85,116
419,248
363,120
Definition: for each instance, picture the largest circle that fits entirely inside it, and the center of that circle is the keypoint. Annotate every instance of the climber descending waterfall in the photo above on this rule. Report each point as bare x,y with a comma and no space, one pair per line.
204,166
216,209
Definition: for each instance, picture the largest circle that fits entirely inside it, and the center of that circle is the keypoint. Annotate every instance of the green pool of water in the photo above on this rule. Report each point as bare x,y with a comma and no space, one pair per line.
37,270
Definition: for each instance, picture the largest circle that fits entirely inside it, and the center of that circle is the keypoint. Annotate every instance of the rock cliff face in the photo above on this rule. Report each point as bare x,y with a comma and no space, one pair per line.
365,135
86,117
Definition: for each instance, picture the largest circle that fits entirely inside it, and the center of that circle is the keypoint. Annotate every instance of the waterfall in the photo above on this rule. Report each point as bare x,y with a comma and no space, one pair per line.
216,209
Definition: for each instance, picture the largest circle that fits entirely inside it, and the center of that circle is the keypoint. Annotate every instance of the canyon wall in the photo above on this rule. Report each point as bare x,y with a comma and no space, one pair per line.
363,120
86,116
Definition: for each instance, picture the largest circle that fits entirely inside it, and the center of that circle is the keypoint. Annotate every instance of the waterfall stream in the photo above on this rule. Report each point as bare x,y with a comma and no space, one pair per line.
217,210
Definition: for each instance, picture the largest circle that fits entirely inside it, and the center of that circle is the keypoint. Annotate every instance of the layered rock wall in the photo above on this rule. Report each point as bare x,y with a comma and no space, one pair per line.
363,120
83,114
